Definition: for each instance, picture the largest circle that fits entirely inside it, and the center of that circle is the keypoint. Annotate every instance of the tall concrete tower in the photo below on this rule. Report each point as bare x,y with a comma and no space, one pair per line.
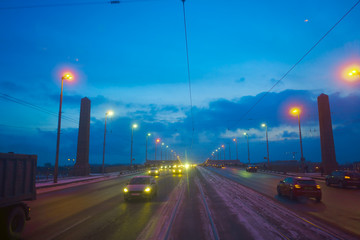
82,166
328,157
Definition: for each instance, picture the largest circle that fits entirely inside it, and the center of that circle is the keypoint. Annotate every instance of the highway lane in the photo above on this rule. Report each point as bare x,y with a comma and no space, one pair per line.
94,211
203,214
339,207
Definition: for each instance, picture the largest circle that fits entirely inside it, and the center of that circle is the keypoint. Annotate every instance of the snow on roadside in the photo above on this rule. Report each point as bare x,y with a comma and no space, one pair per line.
264,218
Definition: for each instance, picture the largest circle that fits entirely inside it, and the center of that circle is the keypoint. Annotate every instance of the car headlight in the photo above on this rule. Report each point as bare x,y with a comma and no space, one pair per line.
147,189
149,171
347,177
174,170
126,190
318,186
179,170
156,171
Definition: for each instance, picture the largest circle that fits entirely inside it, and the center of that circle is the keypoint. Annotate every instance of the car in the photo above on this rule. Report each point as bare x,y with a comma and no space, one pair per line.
177,170
343,178
251,168
154,171
295,187
144,187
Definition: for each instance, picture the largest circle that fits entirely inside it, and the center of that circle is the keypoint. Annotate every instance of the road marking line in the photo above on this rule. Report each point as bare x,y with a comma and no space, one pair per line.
68,228
174,214
215,233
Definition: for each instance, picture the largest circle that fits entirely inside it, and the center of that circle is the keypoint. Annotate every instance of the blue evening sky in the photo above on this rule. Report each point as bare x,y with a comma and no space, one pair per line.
130,57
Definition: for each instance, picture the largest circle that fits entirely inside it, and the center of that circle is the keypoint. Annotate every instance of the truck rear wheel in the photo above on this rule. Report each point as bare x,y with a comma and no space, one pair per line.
15,222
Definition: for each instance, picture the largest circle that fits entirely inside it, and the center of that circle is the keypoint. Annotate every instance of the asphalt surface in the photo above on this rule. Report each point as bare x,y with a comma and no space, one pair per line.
188,206
193,220
94,211
339,207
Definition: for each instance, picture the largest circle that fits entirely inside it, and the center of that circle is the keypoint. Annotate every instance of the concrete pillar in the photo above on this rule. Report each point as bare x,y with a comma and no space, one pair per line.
82,166
328,157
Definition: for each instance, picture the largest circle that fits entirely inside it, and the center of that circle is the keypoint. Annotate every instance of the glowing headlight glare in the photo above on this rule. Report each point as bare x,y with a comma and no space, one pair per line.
318,186
147,189
179,170
156,171
126,190
149,171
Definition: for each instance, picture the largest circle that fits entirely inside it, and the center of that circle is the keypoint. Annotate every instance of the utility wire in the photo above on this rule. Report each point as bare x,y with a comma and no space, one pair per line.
189,79
293,66
70,4
33,106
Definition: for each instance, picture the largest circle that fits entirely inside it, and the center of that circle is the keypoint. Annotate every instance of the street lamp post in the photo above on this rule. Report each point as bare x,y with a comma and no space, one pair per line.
110,113
296,111
217,154
162,144
223,146
156,142
132,140
236,146
247,138
267,142
166,154
68,77
146,146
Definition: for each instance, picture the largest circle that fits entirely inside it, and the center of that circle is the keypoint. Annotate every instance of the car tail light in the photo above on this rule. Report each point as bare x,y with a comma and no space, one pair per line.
318,186
347,177
297,186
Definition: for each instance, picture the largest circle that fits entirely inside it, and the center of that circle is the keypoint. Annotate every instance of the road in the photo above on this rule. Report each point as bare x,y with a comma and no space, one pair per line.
339,207
203,203
93,211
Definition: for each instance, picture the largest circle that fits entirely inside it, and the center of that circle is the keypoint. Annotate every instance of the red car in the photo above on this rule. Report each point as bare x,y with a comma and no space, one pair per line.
299,186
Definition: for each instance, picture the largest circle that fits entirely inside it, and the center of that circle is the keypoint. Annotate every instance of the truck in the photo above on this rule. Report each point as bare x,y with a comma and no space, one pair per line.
17,184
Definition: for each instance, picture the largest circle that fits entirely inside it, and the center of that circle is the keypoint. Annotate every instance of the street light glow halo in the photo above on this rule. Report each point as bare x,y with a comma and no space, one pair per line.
110,113
295,111
135,125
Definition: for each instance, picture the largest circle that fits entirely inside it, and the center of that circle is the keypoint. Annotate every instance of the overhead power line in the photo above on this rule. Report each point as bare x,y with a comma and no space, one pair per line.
33,106
293,66
189,79
70,4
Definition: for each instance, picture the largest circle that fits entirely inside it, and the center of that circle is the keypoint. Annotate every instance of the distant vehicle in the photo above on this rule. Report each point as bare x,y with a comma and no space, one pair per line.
251,168
154,171
17,184
299,186
177,170
140,187
343,178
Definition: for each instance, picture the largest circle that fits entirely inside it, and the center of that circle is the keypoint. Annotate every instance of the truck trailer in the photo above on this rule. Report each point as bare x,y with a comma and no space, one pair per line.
17,184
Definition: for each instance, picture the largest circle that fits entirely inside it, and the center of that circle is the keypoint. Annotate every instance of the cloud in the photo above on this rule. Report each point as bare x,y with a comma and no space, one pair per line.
215,124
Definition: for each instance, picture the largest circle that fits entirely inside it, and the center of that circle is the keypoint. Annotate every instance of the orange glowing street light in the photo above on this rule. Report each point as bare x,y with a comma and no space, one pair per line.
296,112
236,145
156,142
68,77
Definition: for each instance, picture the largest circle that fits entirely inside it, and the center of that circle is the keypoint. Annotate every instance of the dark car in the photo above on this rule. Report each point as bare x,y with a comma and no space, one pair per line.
343,178
299,187
140,187
251,168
